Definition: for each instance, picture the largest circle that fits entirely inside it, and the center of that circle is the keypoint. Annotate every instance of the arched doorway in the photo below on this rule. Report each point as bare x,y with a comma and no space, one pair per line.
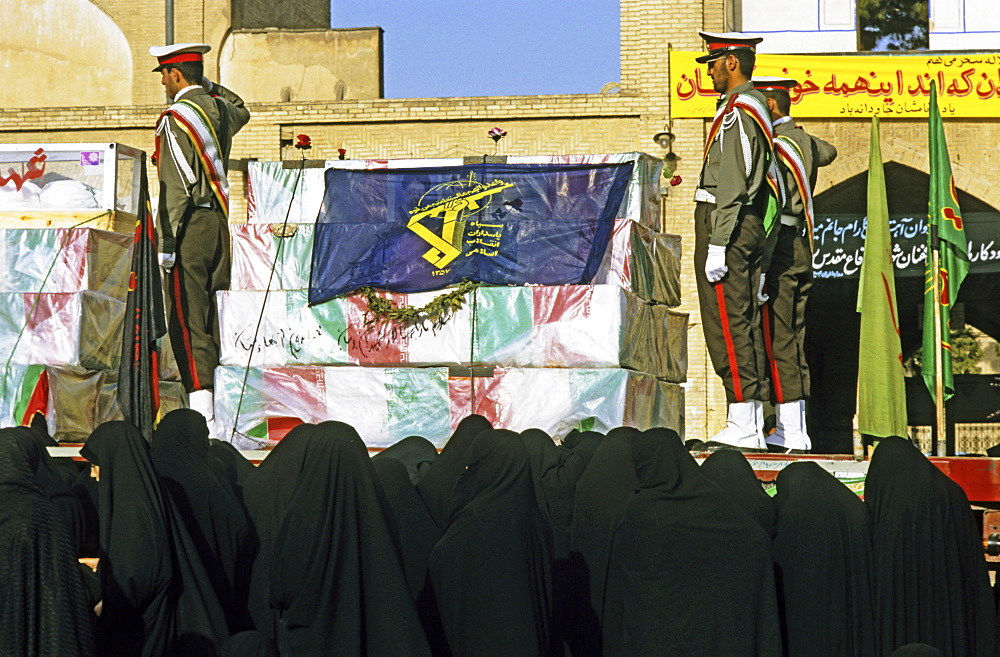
832,323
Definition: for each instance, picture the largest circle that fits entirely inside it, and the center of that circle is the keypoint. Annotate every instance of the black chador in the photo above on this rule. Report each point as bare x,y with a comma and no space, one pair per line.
43,607
436,485
690,574
931,584
335,577
823,560
213,514
491,570
731,472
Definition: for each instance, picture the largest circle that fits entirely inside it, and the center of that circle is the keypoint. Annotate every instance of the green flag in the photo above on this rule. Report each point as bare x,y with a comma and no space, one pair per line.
945,218
881,391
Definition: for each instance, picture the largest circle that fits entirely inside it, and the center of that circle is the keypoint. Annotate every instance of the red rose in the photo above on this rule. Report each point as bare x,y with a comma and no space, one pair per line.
304,142
676,180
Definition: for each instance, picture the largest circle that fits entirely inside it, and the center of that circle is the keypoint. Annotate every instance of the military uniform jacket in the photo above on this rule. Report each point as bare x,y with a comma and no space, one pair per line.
736,166
815,153
179,161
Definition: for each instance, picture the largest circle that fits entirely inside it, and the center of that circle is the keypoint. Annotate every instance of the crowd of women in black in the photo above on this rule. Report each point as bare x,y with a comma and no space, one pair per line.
503,544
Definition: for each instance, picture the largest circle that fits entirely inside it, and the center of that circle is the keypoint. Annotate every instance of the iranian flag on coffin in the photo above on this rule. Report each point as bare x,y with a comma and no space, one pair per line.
545,326
73,400
385,405
257,248
559,400
270,196
64,260
82,329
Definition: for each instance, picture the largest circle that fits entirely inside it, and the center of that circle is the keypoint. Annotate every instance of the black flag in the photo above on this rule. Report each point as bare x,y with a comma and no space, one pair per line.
138,373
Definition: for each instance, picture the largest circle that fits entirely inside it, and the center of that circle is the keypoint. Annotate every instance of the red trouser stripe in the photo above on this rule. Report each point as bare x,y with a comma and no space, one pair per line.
769,349
730,347
186,337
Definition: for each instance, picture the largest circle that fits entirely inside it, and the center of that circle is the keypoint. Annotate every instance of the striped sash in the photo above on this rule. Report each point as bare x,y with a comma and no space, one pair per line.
195,123
762,117
791,156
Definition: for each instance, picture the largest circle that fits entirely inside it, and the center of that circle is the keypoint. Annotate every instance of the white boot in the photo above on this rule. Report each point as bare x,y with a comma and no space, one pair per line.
203,402
744,426
790,430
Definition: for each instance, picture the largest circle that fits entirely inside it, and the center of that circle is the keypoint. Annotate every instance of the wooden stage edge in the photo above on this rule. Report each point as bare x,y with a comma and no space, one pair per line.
978,476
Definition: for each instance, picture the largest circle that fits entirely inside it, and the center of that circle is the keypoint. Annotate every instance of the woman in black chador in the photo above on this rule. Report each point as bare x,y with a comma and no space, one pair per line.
823,557
213,514
555,470
491,570
43,607
415,452
931,583
731,472
598,504
335,578
690,574
267,492
438,481
157,597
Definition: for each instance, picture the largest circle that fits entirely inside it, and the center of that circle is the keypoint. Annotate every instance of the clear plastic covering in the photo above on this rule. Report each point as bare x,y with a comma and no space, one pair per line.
638,259
546,326
82,329
76,400
384,405
257,248
270,198
270,185
559,400
65,260
643,262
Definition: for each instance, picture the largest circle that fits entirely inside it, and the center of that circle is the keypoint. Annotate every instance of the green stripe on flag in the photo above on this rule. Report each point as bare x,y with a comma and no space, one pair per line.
25,390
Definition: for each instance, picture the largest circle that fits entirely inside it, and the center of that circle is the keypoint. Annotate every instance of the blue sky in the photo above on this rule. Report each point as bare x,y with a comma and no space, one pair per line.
440,48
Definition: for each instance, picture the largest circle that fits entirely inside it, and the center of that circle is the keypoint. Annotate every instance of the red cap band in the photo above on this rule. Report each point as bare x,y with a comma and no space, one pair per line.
180,58
720,46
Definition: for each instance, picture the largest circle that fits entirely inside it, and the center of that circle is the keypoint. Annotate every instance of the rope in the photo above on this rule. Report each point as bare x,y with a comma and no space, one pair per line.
263,307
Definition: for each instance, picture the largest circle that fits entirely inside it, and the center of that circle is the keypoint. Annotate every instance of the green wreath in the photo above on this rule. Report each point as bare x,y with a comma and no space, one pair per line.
434,315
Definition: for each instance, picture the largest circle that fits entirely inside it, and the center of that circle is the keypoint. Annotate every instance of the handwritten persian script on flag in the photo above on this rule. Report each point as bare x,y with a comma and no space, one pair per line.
413,230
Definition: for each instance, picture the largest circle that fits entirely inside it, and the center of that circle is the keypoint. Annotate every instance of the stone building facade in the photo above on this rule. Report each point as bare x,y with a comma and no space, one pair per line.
369,126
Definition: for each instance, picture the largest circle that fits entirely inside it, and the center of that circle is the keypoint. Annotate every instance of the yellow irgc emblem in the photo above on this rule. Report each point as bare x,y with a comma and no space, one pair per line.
448,245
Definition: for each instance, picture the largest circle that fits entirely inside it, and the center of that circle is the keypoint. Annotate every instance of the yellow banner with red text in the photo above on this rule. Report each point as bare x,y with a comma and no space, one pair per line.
856,86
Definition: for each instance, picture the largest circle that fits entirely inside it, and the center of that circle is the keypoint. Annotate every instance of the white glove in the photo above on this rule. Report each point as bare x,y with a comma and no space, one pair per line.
715,265
761,294
167,261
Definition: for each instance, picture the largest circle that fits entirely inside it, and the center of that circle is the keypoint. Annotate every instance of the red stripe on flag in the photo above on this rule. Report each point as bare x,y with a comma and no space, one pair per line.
730,347
39,400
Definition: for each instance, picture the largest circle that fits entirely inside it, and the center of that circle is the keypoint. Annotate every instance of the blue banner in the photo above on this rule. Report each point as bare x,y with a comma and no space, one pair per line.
413,230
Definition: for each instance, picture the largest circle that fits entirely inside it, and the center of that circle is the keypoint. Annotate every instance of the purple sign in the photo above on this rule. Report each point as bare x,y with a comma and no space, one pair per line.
90,158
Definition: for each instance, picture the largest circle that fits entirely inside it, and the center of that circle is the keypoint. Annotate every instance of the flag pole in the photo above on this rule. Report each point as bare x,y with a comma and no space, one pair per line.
941,442
857,439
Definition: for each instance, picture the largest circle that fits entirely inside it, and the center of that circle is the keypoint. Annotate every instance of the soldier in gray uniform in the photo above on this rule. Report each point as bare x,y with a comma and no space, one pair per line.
193,139
789,274
732,206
